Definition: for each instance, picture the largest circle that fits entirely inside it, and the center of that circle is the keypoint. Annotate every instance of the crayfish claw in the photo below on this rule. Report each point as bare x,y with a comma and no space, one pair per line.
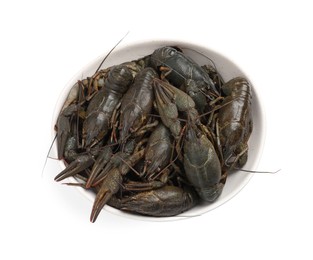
109,187
99,165
101,199
81,163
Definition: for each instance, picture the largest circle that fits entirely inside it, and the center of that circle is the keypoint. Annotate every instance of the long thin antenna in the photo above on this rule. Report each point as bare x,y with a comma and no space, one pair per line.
44,166
203,55
250,171
111,51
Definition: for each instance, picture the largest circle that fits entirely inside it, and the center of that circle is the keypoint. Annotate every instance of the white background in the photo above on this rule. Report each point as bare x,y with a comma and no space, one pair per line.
44,43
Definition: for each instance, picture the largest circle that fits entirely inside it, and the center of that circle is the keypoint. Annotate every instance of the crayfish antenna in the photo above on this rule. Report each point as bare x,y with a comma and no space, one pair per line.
47,157
111,52
251,171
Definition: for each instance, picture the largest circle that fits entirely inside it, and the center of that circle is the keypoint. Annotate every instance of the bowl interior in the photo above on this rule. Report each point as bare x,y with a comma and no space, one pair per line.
236,180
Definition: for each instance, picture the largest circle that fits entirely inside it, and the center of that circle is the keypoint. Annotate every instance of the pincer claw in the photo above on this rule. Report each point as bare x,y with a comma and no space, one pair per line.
111,184
81,163
100,163
108,188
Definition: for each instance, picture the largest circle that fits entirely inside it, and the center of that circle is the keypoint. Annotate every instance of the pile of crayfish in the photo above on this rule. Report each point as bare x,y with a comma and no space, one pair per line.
154,136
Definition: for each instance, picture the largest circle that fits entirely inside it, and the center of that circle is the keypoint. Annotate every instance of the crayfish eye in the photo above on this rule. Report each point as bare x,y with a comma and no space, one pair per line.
172,53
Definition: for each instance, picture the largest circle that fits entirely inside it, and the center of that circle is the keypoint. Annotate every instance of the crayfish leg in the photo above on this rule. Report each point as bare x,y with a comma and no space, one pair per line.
142,186
165,71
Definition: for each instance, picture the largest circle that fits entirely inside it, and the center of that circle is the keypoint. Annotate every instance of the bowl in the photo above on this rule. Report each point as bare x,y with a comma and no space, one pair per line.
199,53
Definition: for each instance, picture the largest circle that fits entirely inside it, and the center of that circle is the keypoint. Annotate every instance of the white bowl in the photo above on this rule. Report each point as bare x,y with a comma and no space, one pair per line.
126,52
